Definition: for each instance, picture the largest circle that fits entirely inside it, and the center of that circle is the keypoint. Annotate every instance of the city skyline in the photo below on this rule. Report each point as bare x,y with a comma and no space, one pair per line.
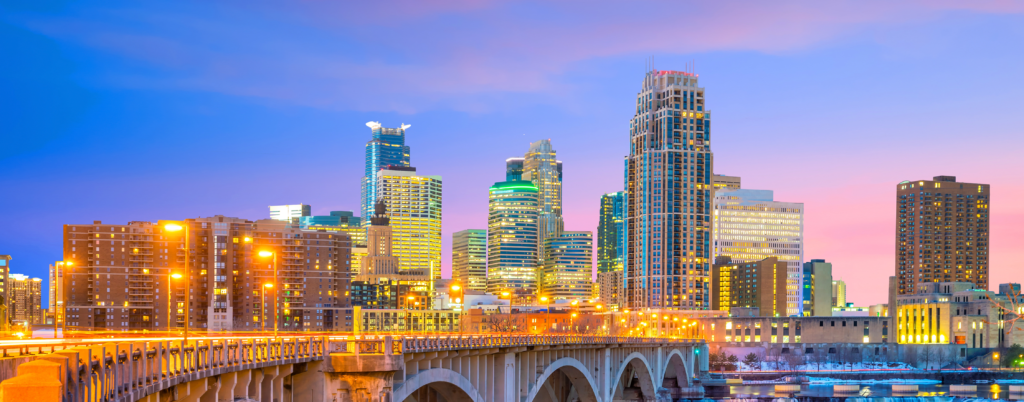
118,106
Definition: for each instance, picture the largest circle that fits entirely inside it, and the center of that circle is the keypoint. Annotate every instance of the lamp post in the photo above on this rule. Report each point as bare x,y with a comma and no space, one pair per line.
173,227
456,294
263,306
276,293
572,317
408,320
547,312
169,308
508,295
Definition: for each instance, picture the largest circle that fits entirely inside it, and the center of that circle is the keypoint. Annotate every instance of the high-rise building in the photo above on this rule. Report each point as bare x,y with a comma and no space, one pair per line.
289,213
544,170
26,299
469,258
668,195
817,289
758,284
414,206
512,236
941,232
381,281
723,182
611,232
610,286
838,293
5,283
386,149
750,226
121,274
568,266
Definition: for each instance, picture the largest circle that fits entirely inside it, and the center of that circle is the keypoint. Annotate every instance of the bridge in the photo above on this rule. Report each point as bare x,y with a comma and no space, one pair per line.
478,368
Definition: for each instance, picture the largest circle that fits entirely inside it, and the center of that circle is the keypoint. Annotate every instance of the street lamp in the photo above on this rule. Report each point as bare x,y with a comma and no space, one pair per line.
263,306
265,254
408,320
169,308
508,295
173,227
547,310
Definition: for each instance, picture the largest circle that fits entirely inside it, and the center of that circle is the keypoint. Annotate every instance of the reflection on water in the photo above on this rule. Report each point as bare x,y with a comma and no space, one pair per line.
867,393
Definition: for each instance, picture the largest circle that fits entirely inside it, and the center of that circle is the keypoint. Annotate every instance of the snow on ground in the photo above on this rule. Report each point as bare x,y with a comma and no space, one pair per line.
783,366
826,380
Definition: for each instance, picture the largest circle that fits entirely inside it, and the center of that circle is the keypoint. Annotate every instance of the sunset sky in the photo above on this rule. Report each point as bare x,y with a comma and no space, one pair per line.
139,111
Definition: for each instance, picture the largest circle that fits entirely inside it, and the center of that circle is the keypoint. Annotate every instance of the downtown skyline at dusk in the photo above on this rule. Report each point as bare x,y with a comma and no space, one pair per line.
128,112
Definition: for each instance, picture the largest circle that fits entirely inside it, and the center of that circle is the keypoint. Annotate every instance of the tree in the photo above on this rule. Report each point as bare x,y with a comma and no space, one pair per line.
927,355
775,355
942,355
751,360
1012,356
716,360
794,359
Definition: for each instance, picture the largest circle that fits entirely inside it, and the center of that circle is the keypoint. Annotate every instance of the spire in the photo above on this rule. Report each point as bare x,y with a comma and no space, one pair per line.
380,217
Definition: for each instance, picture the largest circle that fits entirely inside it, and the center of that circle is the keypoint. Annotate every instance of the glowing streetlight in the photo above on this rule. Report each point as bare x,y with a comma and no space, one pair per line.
174,227
264,254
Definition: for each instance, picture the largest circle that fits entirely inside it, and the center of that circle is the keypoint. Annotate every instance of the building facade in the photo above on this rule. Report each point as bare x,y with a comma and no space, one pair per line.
723,182
121,277
568,266
611,232
414,205
610,289
544,170
5,293
512,236
289,213
749,285
817,288
385,149
960,313
750,226
942,229
469,258
26,295
668,195
838,293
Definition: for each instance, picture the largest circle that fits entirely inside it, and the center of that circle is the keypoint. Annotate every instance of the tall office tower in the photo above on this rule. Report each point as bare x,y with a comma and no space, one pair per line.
838,293
750,226
541,167
941,232
121,277
611,232
289,213
381,281
512,236
469,258
414,203
568,266
817,289
386,149
26,299
755,284
723,182
668,195
514,169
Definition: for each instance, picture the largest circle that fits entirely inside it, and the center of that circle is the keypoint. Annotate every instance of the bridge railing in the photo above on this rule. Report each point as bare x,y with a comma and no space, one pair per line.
128,371
397,344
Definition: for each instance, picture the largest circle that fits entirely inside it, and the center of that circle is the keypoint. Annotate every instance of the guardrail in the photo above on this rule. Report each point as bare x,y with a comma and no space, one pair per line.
375,344
128,371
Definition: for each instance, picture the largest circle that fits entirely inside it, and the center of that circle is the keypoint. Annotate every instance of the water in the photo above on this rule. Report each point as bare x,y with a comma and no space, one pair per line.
868,393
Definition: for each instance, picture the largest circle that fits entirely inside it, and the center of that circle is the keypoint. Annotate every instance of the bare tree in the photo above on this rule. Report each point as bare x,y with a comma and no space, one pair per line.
773,355
942,355
794,359
927,355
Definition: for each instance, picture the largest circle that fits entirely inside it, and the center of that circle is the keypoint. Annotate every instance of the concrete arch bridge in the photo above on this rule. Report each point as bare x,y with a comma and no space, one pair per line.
477,368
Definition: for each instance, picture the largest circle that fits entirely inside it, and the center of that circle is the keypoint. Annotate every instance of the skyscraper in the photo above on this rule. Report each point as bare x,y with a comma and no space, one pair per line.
941,232
668,195
469,258
754,284
512,236
414,205
750,226
26,299
611,232
544,170
386,149
289,213
568,266
817,291
723,182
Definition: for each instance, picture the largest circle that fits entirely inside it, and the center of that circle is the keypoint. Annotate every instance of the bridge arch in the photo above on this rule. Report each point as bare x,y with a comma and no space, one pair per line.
578,374
675,367
447,383
642,367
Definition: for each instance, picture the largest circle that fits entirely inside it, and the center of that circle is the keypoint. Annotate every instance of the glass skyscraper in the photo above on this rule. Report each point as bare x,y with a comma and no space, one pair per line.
512,237
668,195
386,149
611,232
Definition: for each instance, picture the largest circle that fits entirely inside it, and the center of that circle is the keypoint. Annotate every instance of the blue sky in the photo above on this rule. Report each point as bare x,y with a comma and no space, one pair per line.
122,111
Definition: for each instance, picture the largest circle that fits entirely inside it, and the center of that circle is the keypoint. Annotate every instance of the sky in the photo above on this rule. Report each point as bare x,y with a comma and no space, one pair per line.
137,111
